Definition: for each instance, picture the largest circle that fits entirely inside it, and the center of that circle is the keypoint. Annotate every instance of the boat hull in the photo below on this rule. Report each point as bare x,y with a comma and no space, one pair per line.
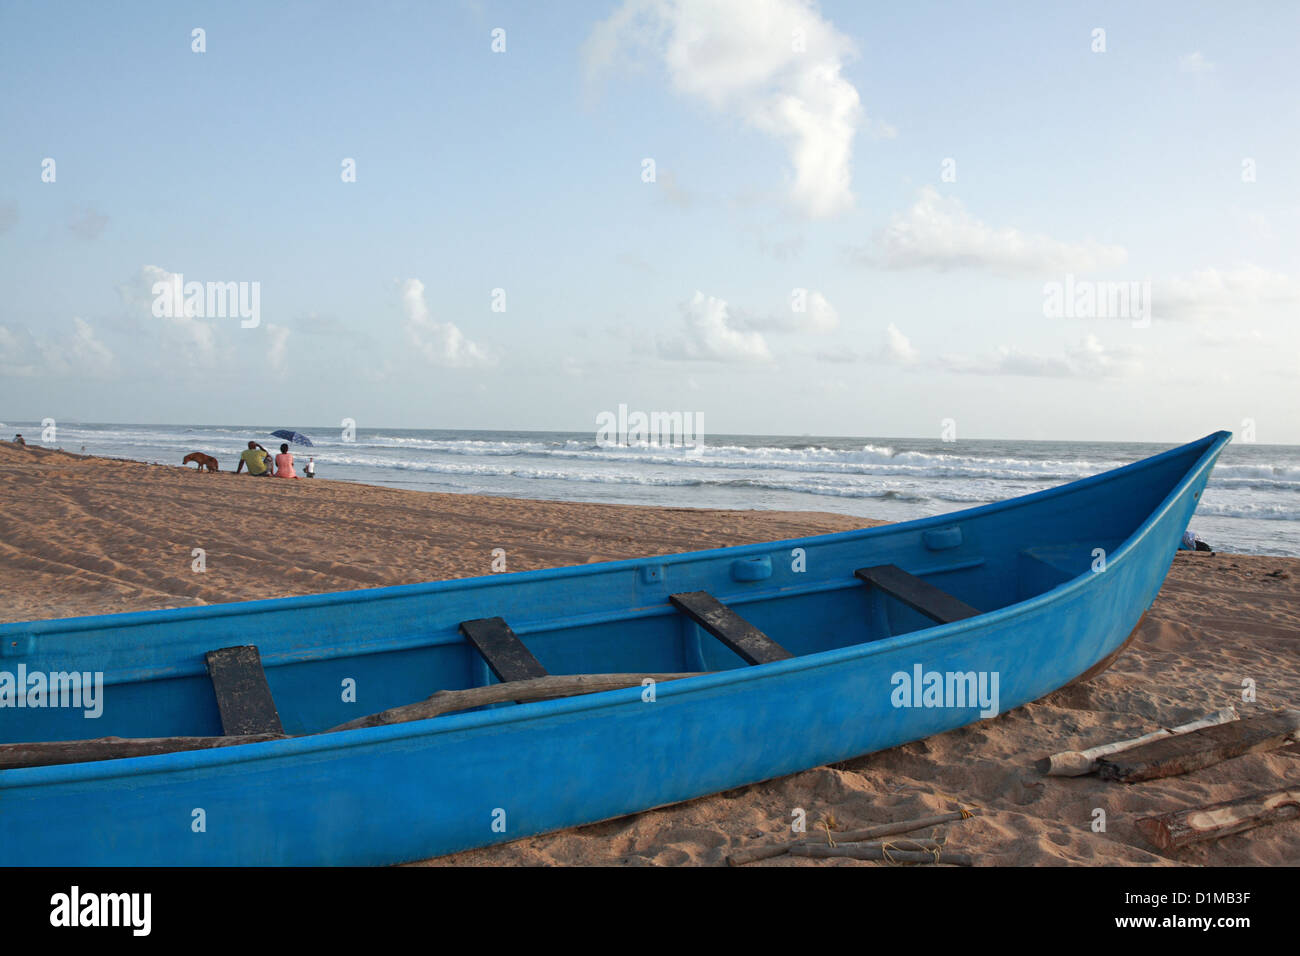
427,788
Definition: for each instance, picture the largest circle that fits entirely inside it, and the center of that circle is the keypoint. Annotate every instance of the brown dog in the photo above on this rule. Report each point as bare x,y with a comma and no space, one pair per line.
201,461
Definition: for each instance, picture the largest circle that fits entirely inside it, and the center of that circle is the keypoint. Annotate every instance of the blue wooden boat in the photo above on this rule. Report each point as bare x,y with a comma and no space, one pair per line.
817,650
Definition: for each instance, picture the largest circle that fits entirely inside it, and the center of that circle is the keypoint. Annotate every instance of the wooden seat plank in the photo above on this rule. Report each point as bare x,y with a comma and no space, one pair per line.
918,594
503,651
243,695
726,625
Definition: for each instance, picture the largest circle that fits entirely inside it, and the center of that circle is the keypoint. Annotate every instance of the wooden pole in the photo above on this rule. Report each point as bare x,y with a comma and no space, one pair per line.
1075,763
46,753
912,846
13,756
864,851
741,857
1200,748
1182,827
538,688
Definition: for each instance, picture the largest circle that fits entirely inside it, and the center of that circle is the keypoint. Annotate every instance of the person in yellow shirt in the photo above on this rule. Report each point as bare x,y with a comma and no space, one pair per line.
255,458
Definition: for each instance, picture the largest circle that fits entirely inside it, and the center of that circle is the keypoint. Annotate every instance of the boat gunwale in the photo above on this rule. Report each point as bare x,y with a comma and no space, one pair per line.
166,615
307,744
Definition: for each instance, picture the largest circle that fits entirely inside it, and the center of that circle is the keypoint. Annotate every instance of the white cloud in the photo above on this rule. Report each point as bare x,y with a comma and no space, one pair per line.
897,348
711,335
939,233
777,64
89,223
442,343
821,316
1088,359
80,353
86,350
1230,337
1237,293
1195,63
278,349
195,333
882,130
673,194
818,316
838,356
15,357
1091,359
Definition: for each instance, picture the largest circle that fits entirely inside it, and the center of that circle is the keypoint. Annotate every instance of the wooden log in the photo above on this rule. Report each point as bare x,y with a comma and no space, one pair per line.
540,688
1183,827
44,754
741,857
1075,763
868,852
1170,756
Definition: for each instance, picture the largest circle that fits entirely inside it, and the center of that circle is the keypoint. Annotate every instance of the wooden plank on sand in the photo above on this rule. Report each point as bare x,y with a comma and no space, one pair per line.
1075,763
1181,827
1170,756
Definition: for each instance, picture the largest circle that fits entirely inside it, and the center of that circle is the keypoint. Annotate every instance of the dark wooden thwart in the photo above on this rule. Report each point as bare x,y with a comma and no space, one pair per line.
730,628
243,696
917,594
505,653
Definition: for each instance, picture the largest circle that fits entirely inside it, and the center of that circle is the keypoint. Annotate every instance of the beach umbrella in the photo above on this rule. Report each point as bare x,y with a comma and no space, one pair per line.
289,435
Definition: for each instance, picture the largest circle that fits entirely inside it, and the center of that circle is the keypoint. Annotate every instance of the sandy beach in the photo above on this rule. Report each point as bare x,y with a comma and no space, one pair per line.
81,535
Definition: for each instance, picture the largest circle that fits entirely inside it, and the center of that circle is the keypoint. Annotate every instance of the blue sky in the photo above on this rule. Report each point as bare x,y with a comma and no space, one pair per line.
795,147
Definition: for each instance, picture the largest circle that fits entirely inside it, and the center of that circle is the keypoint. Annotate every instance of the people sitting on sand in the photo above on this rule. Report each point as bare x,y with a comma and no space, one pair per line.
310,470
18,440
1193,542
254,457
284,464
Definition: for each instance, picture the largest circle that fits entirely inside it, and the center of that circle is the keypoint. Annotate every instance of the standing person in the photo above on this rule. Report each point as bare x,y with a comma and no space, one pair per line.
254,457
310,470
284,463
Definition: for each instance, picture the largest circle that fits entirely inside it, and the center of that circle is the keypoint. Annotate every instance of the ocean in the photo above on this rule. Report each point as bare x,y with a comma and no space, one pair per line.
1252,504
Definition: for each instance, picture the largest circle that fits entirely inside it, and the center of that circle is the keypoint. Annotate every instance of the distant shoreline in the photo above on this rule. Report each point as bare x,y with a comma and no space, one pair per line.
1251,505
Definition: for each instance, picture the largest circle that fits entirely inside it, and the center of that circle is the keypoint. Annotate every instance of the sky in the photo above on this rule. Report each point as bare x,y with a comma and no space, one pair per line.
787,217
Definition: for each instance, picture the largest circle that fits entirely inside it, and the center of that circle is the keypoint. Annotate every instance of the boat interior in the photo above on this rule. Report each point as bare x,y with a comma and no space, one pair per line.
303,665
